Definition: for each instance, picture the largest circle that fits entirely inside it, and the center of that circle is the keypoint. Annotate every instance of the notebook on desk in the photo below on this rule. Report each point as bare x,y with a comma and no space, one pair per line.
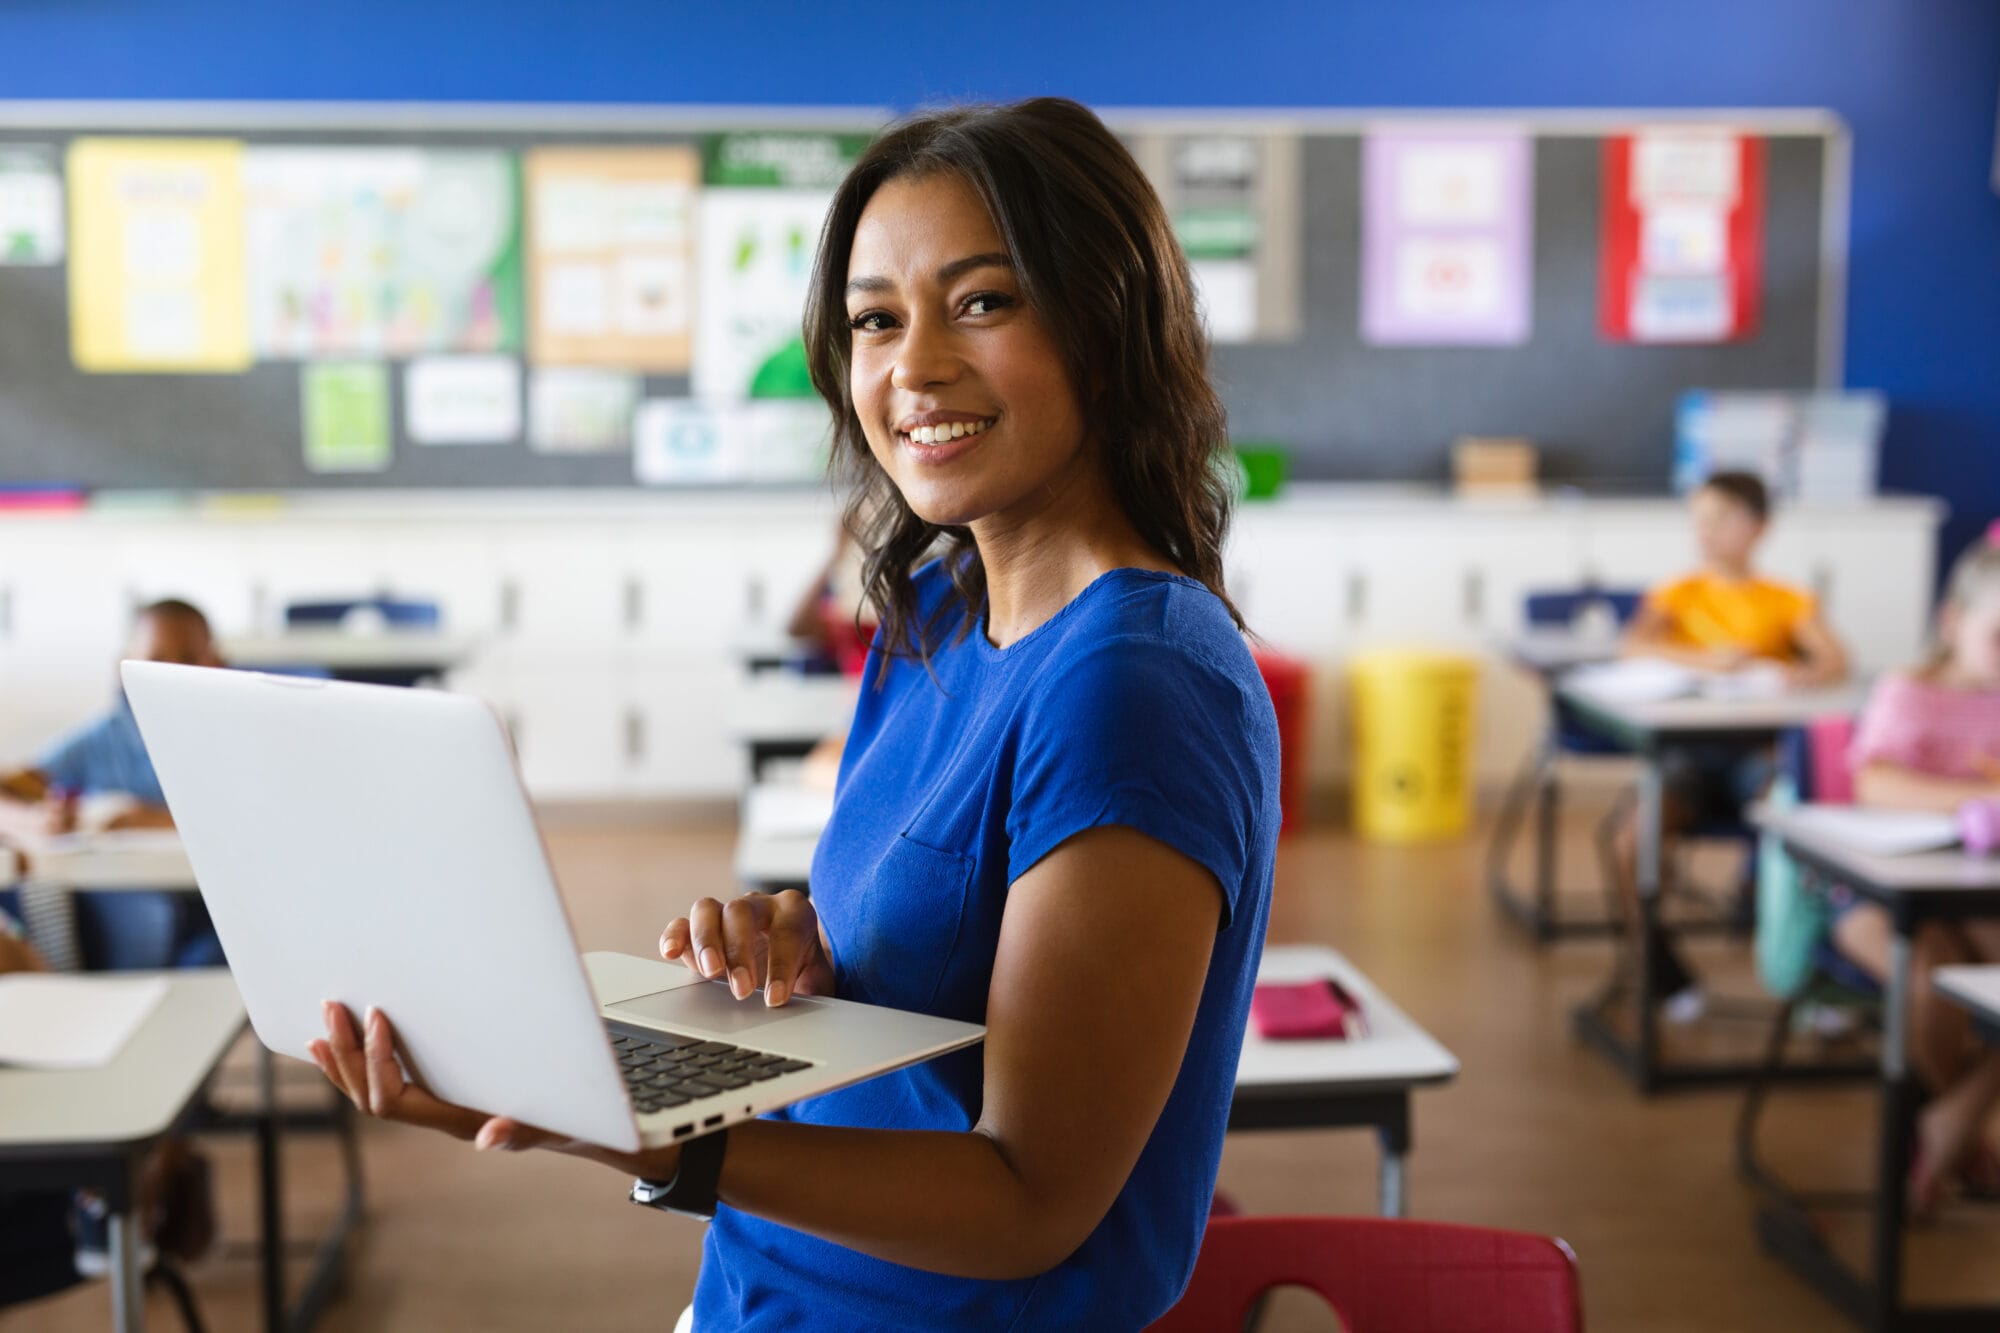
1879,832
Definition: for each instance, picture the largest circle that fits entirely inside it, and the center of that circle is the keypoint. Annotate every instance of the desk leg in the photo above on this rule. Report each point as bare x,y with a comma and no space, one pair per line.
1394,1131
1647,878
128,1285
1393,1202
270,1193
1898,1105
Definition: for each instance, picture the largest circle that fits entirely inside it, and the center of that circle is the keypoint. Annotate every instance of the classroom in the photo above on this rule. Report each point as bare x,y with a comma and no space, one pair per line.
1302,667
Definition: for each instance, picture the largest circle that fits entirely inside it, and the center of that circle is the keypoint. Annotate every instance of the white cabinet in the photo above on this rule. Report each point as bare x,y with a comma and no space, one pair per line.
605,624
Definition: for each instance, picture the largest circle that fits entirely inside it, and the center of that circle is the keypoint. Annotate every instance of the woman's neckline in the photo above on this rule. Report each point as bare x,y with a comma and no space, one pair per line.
990,651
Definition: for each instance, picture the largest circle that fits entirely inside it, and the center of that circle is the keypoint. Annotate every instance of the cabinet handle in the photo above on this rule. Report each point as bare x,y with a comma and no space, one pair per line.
1822,582
1357,596
1474,596
753,598
510,605
635,735
635,604
7,612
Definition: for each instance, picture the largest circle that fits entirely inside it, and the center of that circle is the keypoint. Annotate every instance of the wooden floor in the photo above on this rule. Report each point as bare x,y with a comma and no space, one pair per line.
1537,1134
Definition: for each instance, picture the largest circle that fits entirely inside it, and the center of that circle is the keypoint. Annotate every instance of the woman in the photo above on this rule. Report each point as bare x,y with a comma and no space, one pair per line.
1058,807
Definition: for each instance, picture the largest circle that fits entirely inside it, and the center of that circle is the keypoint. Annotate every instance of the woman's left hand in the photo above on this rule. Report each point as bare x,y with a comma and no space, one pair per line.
366,1070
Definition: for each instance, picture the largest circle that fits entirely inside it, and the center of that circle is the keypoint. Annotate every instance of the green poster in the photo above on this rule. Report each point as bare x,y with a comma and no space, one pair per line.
785,159
346,416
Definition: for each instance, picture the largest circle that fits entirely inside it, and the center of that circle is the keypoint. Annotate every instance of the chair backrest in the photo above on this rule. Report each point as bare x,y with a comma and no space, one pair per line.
1828,742
1558,608
1383,1276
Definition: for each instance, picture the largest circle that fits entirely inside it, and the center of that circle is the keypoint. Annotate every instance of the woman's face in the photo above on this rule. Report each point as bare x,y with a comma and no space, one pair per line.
960,390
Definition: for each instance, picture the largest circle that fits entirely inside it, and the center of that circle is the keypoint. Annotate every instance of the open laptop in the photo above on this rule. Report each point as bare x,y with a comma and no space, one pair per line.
373,845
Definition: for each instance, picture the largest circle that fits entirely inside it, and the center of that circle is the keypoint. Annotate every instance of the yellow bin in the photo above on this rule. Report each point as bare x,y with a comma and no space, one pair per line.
1413,719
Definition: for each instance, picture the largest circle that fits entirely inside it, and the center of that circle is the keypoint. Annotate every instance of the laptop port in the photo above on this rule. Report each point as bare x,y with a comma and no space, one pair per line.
684,1131
711,1122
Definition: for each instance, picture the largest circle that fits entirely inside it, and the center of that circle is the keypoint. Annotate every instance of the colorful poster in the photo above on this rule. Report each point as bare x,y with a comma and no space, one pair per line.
679,442
1682,258
156,255
346,410
462,400
611,256
767,196
31,211
1447,245
382,251
1234,203
573,410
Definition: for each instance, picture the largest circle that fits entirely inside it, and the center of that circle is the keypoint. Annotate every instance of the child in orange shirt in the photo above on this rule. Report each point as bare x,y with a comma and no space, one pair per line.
1723,617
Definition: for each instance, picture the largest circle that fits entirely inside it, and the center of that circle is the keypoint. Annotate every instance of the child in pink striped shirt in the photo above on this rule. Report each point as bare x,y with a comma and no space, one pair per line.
1929,739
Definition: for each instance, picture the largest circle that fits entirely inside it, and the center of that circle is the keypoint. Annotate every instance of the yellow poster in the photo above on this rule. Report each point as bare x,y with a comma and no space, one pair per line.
611,256
156,255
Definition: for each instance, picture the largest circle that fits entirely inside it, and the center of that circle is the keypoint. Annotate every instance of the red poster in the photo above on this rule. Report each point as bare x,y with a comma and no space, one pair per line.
1682,258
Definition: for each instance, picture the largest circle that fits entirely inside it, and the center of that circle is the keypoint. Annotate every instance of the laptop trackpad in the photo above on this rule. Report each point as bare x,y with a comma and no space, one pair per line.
709,1007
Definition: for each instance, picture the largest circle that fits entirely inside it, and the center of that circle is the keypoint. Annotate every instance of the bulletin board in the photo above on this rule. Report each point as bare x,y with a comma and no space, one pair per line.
417,388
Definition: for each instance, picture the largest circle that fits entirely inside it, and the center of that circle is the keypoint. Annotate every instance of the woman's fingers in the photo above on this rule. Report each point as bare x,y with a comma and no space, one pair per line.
744,922
674,942
705,937
343,1045
385,1075
794,940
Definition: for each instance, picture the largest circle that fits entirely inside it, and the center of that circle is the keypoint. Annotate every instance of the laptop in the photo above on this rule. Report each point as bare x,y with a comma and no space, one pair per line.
374,845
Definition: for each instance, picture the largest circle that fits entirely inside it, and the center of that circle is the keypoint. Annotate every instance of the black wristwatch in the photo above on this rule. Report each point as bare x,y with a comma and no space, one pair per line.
691,1192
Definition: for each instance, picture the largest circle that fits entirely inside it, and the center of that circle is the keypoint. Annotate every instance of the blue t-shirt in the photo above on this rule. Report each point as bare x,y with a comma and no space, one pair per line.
1137,704
104,756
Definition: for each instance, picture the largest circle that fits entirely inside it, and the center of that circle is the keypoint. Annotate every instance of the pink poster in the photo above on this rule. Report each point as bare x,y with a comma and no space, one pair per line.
1447,236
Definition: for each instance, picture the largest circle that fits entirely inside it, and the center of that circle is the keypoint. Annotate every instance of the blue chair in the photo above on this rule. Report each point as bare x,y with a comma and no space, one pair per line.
1537,784
397,612
404,614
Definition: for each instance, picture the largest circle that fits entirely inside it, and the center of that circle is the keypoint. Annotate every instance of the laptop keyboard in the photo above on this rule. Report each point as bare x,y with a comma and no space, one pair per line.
663,1070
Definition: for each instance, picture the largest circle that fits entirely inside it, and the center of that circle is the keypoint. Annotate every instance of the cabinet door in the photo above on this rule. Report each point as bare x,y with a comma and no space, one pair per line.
562,589
1873,573
685,591
568,728
676,737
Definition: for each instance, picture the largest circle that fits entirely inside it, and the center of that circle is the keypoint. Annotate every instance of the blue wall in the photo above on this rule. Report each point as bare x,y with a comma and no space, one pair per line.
1916,79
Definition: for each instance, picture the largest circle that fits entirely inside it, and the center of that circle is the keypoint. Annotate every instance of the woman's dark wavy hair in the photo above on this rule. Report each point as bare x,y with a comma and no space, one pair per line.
1099,265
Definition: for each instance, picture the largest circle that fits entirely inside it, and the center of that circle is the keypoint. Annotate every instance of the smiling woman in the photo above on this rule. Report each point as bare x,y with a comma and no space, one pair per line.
1057,811
1063,273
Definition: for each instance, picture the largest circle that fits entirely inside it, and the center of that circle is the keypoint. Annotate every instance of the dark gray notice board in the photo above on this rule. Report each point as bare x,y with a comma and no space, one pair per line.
1601,411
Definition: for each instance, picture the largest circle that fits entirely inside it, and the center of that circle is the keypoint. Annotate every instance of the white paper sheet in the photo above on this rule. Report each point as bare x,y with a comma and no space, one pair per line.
71,1022
1882,832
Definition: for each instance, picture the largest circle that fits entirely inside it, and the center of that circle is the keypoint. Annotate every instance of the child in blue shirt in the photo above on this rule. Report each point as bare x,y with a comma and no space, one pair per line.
106,758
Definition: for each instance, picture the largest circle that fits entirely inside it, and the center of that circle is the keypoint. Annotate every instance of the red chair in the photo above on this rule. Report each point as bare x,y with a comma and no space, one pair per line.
1383,1276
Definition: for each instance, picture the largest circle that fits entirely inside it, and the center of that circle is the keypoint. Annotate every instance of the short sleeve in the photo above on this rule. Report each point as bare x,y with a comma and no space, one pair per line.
1890,728
68,763
1156,738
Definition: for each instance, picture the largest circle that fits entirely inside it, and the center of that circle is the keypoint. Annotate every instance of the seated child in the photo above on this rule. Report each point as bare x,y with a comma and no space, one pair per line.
107,758
1722,617
1929,739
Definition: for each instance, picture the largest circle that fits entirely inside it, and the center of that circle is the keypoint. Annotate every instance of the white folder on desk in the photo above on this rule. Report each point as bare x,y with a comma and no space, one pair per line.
1880,832
69,1022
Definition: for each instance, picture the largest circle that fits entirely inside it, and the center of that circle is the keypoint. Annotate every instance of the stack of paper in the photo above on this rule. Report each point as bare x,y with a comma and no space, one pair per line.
1880,832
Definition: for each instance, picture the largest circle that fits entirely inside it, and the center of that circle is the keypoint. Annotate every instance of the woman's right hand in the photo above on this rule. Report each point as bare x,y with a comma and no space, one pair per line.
761,941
